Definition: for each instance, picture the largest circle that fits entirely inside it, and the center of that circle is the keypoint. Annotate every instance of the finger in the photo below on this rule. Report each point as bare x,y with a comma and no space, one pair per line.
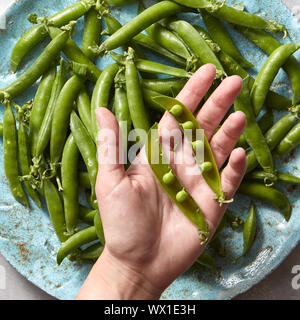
196,88
226,138
110,155
233,173
215,108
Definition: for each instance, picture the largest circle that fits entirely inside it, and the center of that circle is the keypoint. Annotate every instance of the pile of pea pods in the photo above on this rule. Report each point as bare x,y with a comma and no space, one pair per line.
49,139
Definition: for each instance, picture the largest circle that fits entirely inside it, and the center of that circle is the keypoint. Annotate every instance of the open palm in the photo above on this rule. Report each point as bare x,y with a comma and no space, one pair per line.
145,232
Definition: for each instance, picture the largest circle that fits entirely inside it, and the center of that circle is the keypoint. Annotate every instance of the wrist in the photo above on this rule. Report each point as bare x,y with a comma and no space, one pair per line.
110,279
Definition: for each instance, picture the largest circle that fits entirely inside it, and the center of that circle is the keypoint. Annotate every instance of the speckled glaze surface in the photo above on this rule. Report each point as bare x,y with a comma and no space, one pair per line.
27,239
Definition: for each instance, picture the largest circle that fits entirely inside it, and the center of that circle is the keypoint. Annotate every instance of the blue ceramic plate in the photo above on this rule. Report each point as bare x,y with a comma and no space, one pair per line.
27,239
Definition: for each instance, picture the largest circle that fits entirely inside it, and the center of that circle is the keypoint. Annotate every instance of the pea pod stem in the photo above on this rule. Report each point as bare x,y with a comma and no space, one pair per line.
280,177
160,168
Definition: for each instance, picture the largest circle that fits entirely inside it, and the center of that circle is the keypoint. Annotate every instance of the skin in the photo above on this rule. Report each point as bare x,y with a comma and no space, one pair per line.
145,263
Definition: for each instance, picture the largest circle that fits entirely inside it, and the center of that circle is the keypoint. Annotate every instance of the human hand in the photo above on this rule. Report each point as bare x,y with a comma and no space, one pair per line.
149,242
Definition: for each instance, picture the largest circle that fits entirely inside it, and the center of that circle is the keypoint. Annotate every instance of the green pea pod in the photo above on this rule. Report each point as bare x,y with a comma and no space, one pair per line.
84,109
268,195
172,186
39,107
289,143
10,153
265,123
136,105
38,68
274,136
84,180
69,179
281,177
212,177
152,67
99,227
252,132
149,96
197,44
239,17
168,40
101,93
169,86
151,15
91,33
122,111
86,147
207,261
1,129
268,73
45,128
56,211
220,35
87,215
147,42
249,231
76,241
61,116
90,253
113,26
269,44
25,161
75,54
36,34
273,100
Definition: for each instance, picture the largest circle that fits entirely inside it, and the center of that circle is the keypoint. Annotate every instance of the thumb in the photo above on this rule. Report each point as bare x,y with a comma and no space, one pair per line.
110,152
